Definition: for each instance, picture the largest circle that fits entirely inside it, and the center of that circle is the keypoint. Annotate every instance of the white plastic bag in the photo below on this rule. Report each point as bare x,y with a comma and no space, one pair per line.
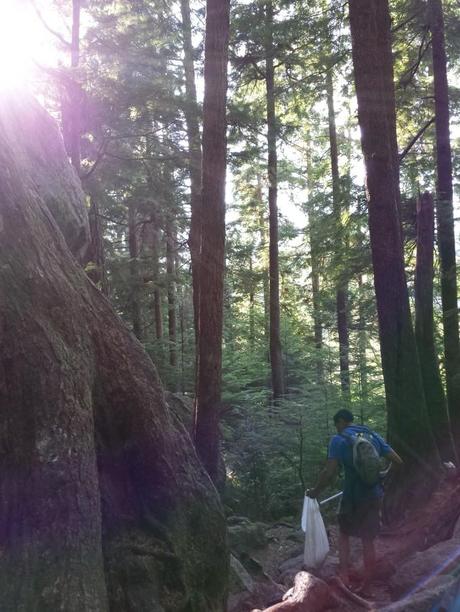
316,542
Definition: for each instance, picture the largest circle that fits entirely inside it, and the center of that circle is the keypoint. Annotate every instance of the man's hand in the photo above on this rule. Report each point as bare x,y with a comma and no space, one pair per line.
327,474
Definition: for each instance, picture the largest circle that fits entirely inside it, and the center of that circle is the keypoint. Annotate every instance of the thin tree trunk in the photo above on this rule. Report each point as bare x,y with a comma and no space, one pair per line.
158,314
317,318
212,263
263,257
342,284
96,254
252,327
157,309
276,358
76,94
315,279
155,243
424,328
344,346
194,145
408,423
72,130
182,340
444,206
171,283
134,300
362,345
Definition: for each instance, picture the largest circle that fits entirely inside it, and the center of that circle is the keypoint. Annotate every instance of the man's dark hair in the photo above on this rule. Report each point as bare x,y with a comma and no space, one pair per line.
343,414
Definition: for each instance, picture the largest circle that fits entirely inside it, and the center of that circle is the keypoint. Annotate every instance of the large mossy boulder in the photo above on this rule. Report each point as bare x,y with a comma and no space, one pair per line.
104,503
246,537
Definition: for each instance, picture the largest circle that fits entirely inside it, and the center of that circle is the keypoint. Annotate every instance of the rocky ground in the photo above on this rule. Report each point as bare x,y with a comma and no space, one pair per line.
418,564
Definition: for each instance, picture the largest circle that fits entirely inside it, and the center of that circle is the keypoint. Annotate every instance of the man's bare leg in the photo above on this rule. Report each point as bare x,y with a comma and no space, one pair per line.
369,559
344,557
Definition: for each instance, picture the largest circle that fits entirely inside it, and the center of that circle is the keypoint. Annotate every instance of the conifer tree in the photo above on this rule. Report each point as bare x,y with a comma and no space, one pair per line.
212,260
444,205
373,73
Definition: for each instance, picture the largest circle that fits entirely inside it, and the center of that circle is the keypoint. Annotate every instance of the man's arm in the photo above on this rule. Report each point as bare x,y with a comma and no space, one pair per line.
393,457
326,475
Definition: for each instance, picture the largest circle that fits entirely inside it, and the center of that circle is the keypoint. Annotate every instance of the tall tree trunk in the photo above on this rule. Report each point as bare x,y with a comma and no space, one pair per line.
134,299
317,318
424,328
263,257
182,338
76,93
155,245
444,206
342,284
72,130
252,325
96,254
362,346
212,263
171,283
157,310
276,357
194,145
408,424
315,277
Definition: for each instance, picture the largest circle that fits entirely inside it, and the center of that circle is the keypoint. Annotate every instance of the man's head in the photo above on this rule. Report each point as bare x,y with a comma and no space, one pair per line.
343,418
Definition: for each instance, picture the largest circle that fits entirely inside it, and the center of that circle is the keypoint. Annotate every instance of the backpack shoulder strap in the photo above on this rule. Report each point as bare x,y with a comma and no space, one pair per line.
348,437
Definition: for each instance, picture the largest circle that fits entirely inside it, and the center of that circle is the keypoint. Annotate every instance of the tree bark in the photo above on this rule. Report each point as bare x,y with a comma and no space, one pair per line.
362,347
424,328
75,90
317,318
134,298
212,263
342,284
276,357
157,310
444,206
171,282
155,241
194,145
264,257
315,278
408,424
252,323
96,254
93,514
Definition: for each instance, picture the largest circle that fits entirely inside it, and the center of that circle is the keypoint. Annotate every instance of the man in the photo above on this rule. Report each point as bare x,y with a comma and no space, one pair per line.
359,510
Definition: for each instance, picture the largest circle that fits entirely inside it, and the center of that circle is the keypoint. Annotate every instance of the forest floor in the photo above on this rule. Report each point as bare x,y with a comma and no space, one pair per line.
418,561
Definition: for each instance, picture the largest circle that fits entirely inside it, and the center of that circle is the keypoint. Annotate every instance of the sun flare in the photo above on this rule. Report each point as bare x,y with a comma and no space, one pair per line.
23,44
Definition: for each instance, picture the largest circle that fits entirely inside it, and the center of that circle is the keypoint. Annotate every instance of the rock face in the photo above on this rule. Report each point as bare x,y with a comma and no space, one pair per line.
422,566
428,598
245,537
104,504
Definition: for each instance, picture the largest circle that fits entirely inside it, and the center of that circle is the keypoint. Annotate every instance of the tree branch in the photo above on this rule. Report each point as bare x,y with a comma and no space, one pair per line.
59,36
401,25
412,71
413,140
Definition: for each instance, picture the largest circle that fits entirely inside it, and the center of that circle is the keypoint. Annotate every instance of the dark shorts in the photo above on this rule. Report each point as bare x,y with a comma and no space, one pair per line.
362,519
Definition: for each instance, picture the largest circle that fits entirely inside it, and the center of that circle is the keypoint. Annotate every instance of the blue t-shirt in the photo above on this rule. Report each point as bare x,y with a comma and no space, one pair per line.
341,449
